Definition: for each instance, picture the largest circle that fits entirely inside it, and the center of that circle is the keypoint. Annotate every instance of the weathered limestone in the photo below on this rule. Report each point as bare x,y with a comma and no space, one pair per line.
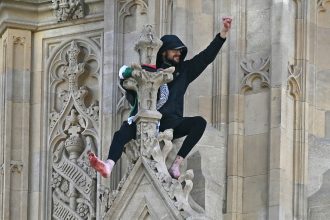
265,98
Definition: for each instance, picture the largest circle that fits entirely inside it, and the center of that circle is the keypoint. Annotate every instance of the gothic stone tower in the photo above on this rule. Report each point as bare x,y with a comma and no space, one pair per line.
264,155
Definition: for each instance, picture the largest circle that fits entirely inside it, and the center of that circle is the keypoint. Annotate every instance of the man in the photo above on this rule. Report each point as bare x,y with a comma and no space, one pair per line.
127,130
173,53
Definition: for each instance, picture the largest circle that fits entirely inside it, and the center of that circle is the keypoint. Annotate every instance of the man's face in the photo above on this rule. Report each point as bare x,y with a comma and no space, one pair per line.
172,55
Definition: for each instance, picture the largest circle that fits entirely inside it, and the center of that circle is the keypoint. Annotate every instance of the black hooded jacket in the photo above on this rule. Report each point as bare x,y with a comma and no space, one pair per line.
185,72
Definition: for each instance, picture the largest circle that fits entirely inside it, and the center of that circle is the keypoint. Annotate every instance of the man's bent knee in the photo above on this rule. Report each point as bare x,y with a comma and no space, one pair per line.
200,122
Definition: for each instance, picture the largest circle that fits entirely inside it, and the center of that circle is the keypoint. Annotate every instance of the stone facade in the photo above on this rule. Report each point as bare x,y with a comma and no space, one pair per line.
265,153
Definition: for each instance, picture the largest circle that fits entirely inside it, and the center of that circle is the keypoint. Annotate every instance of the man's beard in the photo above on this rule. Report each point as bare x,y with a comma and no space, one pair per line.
172,62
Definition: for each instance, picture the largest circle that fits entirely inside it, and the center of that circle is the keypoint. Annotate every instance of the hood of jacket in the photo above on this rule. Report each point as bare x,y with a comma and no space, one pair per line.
170,42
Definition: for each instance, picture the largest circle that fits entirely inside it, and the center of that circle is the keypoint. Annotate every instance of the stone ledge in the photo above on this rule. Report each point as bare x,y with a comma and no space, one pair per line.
41,16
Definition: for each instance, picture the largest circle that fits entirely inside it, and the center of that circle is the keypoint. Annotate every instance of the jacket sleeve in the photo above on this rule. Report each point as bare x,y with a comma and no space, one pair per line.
125,72
198,63
163,96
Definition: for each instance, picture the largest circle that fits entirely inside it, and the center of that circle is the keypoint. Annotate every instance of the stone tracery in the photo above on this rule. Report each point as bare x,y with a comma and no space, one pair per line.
73,131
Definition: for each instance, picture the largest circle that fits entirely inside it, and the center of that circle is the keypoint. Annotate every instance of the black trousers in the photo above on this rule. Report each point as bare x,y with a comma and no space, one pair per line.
192,127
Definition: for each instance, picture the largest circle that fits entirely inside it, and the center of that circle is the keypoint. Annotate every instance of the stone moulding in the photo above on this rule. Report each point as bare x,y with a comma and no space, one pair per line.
68,9
255,69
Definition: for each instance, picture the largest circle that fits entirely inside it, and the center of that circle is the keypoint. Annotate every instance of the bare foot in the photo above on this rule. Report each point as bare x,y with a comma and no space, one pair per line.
175,168
104,168
174,172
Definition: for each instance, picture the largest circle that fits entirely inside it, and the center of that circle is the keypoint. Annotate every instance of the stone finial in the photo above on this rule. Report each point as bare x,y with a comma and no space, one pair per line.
148,45
146,85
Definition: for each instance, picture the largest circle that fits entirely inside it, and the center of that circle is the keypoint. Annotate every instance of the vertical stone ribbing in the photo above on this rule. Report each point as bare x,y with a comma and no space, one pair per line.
16,122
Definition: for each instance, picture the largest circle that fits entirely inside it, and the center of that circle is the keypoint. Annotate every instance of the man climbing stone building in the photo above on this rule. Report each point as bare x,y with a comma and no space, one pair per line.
172,53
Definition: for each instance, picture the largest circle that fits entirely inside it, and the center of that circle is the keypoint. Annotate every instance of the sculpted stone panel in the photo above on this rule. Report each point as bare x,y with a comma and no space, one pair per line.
68,9
74,71
255,74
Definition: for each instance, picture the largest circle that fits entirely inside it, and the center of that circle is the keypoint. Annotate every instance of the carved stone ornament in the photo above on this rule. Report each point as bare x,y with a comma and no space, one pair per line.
16,166
255,70
178,190
68,9
19,40
73,126
146,85
293,85
148,45
321,5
